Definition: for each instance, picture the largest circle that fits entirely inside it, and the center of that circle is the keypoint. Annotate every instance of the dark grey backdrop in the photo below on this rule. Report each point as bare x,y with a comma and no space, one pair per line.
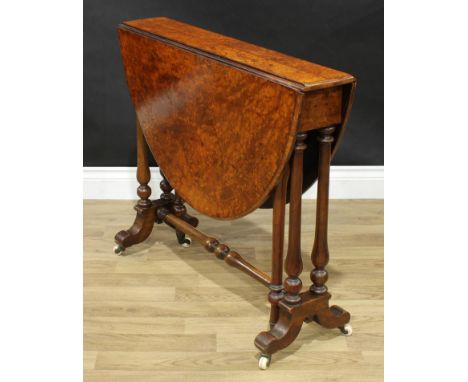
343,34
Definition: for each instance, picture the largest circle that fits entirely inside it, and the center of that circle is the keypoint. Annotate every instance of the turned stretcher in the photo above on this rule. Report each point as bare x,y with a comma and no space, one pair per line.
234,127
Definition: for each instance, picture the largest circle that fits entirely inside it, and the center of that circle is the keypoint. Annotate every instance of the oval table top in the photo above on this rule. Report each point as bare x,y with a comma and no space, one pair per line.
221,134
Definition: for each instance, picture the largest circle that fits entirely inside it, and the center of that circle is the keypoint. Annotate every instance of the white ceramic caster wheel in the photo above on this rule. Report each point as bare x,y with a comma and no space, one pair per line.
118,249
264,362
347,330
186,242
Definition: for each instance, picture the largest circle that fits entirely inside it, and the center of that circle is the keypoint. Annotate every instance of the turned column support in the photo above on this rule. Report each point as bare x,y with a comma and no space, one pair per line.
293,263
146,213
166,188
276,287
313,305
143,170
176,203
320,254
179,209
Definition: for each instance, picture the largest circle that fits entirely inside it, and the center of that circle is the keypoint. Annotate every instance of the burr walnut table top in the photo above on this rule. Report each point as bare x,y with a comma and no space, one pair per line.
301,74
220,116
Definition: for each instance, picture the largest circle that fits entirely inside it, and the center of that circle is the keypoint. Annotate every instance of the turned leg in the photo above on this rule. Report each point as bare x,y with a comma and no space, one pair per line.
295,307
181,211
334,316
293,264
292,308
146,212
177,206
166,189
276,287
320,253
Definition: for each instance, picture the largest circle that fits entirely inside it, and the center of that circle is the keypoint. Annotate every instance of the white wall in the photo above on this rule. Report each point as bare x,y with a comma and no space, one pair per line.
346,182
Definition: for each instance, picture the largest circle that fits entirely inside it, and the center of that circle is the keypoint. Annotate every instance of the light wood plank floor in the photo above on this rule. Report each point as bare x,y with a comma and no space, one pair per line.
167,313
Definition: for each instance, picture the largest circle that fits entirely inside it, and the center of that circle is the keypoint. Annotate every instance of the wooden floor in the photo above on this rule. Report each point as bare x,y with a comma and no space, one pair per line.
167,313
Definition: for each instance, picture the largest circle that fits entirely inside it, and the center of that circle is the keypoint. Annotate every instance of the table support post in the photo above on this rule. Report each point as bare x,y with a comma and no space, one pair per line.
166,189
143,170
146,213
276,288
320,254
293,263
177,206
296,307
181,211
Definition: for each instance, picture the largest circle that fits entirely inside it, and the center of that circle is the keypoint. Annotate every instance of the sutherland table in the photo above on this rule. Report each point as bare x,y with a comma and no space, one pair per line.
234,127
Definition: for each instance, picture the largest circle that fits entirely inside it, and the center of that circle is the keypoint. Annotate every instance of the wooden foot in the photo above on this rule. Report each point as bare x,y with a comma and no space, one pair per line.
289,324
313,307
332,317
140,230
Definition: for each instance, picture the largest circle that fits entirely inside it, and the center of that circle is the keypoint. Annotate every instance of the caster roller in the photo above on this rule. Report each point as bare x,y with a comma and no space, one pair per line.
183,240
347,330
118,249
264,361
187,242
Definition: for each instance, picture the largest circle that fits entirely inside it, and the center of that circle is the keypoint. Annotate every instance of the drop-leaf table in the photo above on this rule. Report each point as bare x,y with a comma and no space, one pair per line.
235,127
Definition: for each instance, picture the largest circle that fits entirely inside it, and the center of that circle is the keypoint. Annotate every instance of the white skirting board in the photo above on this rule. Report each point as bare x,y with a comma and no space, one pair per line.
346,182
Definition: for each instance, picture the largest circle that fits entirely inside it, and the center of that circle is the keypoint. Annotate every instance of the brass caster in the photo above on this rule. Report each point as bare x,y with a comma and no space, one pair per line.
264,361
187,242
119,250
347,330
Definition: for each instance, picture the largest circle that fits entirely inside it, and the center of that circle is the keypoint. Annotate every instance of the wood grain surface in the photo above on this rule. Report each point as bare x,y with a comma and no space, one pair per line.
222,136
322,108
302,74
220,116
167,313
